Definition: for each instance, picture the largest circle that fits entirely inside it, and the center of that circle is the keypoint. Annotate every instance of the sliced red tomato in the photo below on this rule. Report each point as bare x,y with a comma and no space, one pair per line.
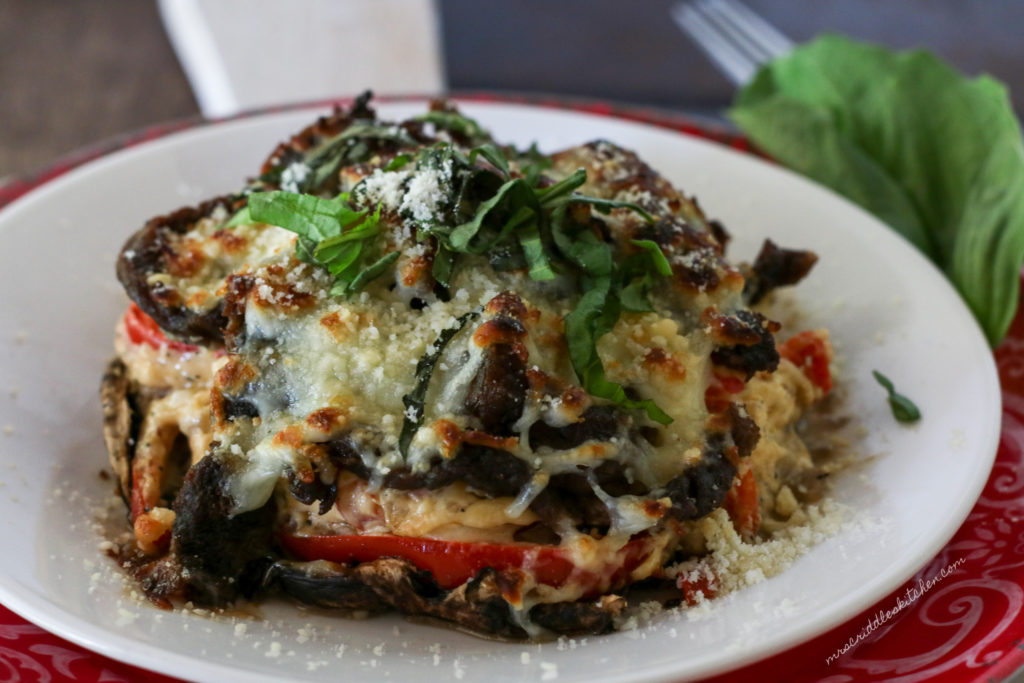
810,353
719,393
142,329
741,504
452,563
706,585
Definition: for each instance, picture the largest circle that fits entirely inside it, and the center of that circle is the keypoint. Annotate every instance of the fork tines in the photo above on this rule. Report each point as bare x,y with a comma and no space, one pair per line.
732,35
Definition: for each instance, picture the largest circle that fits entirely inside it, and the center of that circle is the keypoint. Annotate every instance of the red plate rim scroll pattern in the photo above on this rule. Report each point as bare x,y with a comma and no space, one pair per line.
959,618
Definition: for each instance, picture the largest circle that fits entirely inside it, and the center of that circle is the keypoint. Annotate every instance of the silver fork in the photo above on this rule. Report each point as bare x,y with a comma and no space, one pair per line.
736,38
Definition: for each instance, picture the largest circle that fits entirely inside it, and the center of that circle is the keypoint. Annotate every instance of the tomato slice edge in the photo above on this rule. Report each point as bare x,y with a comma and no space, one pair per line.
809,352
452,563
142,329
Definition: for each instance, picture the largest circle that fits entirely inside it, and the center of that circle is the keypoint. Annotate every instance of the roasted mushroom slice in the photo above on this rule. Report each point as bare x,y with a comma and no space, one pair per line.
117,424
153,435
482,605
310,160
167,270
216,549
776,267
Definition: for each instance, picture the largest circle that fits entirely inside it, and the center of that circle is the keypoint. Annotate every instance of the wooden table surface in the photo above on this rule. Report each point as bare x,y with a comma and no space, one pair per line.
73,72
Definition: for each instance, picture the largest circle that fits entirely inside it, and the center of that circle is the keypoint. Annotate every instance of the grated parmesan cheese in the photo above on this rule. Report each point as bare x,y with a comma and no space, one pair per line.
427,190
384,187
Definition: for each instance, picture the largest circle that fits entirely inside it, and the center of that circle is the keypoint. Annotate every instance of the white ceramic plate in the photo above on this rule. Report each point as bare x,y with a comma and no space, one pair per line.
886,306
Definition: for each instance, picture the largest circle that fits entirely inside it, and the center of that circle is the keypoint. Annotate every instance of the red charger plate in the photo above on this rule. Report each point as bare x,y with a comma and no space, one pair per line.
960,618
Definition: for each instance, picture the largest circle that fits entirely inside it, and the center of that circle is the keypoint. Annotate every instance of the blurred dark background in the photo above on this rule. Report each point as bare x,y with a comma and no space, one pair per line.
73,72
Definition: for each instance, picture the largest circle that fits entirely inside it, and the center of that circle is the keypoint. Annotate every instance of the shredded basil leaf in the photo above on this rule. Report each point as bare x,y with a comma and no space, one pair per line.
398,162
241,217
518,224
371,272
533,162
307,215
322,162
349,147
597,311
903,409
658,260
533,250
455,123
332,235
593,317
634,296
494,155
461,237
444,265
548,195
414,401
606,205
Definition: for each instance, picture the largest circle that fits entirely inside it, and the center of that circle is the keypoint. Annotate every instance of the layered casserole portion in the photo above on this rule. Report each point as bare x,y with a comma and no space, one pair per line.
408,367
